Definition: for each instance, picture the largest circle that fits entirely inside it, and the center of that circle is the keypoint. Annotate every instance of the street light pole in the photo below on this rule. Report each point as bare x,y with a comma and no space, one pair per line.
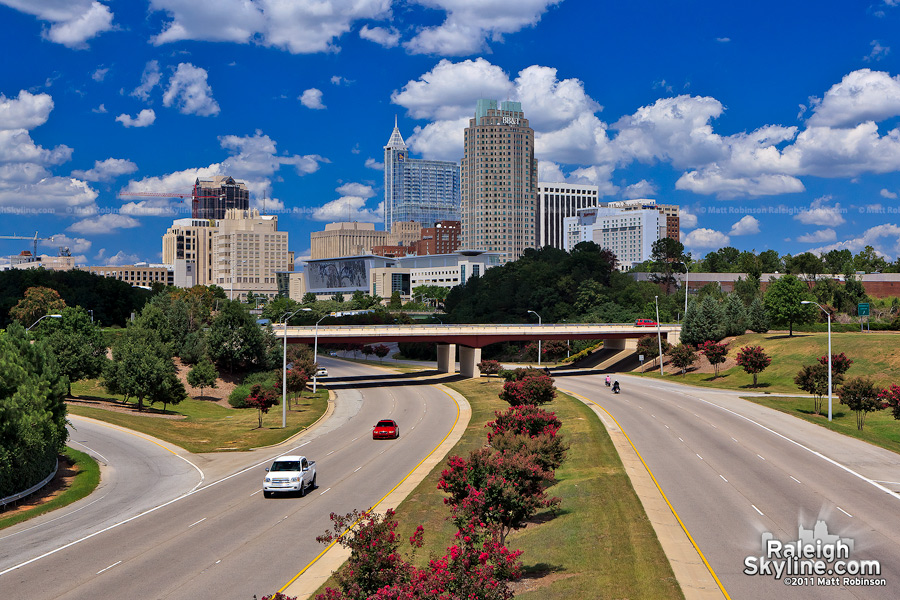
659,335
539,339
316,353
827,314
42,318
284,319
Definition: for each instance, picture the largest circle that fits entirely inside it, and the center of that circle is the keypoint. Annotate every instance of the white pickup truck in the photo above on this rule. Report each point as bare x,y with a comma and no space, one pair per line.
290,474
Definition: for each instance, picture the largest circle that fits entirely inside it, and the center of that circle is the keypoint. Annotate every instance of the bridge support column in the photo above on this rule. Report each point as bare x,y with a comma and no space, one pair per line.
468,361
446,358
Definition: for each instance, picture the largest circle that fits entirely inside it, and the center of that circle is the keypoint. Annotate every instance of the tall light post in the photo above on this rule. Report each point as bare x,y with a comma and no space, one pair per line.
687,270
659,335
284,319
42,318
539,339
827,314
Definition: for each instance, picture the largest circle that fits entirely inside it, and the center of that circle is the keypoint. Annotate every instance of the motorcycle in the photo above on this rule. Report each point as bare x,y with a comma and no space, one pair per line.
608,383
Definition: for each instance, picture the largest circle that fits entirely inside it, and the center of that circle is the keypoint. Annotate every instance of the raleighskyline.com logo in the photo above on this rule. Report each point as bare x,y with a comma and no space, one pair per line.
816,558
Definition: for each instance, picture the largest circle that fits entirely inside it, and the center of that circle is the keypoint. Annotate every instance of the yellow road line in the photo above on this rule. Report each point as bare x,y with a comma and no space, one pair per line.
658,487
346,531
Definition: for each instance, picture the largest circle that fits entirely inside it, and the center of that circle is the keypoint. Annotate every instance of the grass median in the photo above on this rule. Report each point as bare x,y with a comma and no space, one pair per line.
599,544
203,426
79,474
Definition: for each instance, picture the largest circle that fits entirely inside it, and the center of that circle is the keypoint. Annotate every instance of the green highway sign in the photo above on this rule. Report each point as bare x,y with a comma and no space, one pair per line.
863,309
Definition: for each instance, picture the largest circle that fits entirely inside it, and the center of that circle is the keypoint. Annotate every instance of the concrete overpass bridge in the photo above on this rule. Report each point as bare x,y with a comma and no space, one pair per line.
472,338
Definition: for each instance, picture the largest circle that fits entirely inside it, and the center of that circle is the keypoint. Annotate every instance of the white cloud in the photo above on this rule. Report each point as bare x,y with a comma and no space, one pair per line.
101,110
73,22
885,193
440,140
818,237
75,245
713,181
349,208
156,207
884,238
371,163
298,27
107,170
389,38
641,189
121,258
189,89
878,52
469,24
150,78
53,194
747,225
100,73
686,219
144,119
862,95
356,189
706,238
26,111
16,146
723,40
819,213
105,223
312,98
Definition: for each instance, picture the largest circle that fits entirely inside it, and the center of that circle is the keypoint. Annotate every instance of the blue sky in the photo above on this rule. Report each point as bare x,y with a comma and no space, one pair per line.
774,125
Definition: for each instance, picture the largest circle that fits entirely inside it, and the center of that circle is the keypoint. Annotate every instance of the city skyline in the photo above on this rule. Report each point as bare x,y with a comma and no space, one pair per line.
772,126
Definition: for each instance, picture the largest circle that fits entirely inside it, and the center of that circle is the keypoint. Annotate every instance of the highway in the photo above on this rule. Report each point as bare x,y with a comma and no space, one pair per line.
733,470
159,529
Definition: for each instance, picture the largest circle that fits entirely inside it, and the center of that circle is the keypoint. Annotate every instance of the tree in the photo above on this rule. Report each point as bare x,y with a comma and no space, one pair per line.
840,364
868,261
296,379
860,395
757,317
262,399
890,397
338,297
367,350
496,488
754,360
308,298
714,353
381,351
140,367
170,391
78,345
38,302
783,298
649,347
203,375
531,390
667,256
807,264
735,315
489,367
395,301
813,379
747,289
705,320
837,261
682,356
234,338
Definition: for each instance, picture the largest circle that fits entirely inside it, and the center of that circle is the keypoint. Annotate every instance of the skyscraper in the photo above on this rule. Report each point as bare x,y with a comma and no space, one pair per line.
499,181
424,191
212,197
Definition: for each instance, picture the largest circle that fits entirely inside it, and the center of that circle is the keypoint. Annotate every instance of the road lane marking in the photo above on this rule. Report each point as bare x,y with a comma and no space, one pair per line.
681,440
330,453
844,511
795,479
118,562
357,468
698,456
723,478
661,493
652,415
666,426
255,493
320,493
304,443
399,483
713,426
735,440
761,457
887,482
197,523
106,460
757,510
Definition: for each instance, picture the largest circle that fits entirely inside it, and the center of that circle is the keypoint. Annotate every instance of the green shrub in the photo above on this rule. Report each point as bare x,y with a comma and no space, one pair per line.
238,396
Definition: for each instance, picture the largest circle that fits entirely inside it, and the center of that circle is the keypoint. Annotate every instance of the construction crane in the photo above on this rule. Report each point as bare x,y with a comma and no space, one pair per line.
33,238
183,195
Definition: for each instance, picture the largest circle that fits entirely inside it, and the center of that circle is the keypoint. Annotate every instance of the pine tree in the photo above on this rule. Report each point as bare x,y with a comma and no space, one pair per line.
757,317
735,315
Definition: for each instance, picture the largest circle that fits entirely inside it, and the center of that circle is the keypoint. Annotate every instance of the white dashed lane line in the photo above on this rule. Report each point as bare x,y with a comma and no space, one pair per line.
844,511
757,510
118,562
723,478
197,523
795,479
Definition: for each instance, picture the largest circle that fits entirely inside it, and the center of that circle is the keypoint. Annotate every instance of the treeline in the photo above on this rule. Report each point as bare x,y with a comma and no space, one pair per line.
111,301
32,410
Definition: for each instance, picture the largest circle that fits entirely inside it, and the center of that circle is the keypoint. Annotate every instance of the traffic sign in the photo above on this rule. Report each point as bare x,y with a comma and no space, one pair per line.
863,309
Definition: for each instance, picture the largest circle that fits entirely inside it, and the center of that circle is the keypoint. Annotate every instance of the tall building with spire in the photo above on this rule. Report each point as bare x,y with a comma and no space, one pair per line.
424,191
499,181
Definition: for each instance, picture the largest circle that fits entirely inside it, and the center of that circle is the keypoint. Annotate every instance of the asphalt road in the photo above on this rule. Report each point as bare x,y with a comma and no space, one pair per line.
224,539
733,470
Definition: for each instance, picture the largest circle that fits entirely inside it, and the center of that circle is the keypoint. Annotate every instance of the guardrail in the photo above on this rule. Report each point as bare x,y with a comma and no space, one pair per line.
32,489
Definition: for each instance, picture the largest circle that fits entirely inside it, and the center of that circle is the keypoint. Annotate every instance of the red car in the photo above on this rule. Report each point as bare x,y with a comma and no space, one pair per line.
385,429
645,323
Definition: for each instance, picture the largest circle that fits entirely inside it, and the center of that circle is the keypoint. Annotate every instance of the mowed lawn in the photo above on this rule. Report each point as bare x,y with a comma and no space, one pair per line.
599,544
204,426
875,355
